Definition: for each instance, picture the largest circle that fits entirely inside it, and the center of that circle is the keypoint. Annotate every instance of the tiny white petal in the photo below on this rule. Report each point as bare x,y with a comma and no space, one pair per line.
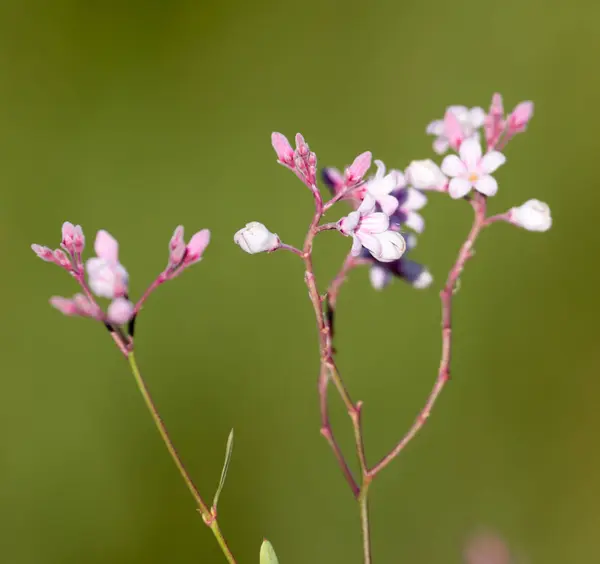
367,206
356,246
423,281
349,223
441,145
476,117
425,174
389,204
453,166
415,200
379,276
373,223
491,161
486,185
391,246
436,127
470,153
415,221
370,242
459,188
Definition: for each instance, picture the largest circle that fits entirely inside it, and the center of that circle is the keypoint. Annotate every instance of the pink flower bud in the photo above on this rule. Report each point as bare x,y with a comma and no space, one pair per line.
120,311
176,248
78,239
64,305
61,259
285,153
494,122
196,246
302,148
43,252
356,171
68,235
520,116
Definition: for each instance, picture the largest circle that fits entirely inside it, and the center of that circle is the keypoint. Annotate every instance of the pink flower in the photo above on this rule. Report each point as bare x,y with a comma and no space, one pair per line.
459,123
370,229
471,170
381,186
184,255
107,277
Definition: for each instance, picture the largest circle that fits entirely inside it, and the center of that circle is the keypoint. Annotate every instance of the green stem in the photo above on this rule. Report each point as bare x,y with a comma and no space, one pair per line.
209,516
363,500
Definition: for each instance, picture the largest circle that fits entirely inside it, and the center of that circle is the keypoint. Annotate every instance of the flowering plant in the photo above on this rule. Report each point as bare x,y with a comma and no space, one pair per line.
383,223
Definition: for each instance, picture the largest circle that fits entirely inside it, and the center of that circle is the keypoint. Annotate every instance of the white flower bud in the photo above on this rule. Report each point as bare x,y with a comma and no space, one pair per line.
533,215
256,238
425,175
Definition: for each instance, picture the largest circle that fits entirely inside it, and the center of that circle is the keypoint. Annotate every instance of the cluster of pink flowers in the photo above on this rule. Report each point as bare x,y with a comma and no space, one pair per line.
387,204
107,277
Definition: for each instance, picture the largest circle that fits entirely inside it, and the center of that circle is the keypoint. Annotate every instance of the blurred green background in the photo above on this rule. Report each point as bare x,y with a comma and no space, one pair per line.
137,116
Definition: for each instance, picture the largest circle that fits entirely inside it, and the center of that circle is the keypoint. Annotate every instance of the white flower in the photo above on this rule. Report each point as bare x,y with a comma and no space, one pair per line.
471,170
370,229
256,238
533,215
107,277
381,186
425,175
470,120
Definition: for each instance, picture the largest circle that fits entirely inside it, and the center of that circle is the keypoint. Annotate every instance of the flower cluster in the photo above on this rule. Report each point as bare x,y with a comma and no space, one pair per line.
107,277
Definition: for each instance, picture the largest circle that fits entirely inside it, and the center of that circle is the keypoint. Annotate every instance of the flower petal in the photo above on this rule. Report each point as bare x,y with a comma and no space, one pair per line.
486,185
106,246
453,166
392,246
491,161
356,246
476,117
367,206
370,242
470,152
377,222
415,200
380,277
389,204
436,127
459,188
415,221
441,145
349,223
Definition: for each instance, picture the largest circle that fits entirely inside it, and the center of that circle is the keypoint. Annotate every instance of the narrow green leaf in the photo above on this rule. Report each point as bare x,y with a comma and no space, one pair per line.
228,452
267,553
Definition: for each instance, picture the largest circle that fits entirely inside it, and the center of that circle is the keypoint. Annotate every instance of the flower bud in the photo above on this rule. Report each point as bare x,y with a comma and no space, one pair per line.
256,238
120,311
425,175
533,215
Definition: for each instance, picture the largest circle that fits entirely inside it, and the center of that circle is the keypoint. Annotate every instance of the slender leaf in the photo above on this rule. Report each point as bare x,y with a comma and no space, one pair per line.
228,452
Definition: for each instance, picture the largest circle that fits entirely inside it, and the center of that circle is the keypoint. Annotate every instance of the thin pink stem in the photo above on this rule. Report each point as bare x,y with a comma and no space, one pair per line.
284,247
162,277
340,195
466,252
327,227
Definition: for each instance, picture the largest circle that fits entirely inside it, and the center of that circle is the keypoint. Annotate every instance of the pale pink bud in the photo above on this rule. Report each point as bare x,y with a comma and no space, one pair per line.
356,171
107,279
68,235
176,247
78,239
520,116
61,259
285,153
64,305
494,121
120,311
86,307
106,246
43,252
195,248
426,175
302,148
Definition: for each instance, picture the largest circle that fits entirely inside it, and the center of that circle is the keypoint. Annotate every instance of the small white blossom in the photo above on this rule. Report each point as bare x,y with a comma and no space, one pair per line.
471,170
381,186
533,215
256,238
370,229
107,277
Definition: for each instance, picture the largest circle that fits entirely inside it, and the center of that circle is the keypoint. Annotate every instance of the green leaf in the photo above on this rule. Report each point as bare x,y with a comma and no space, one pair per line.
228,452
267,553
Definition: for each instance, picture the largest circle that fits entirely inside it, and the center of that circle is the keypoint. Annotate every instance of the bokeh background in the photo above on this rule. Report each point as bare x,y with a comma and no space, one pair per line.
138,116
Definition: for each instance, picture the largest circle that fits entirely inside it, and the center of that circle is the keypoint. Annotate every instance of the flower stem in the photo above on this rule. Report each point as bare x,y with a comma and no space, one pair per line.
208,516
365,526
